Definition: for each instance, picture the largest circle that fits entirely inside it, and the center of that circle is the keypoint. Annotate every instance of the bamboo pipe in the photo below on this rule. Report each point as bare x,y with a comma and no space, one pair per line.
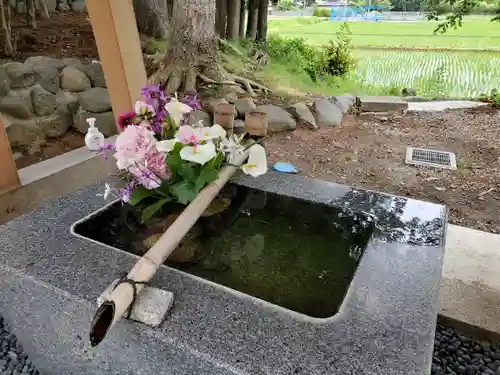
122,296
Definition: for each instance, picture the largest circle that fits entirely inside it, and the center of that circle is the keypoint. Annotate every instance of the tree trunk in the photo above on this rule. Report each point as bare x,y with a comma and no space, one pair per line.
43,9
191,44
5,23
233,19
252,19
30,14
262,21
151,17
191,52
220,18
241,31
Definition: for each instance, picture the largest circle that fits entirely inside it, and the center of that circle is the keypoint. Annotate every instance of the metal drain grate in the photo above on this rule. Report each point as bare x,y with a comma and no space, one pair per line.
431,158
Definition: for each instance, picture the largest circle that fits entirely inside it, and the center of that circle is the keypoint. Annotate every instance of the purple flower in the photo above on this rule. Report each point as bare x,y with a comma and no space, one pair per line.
105,150
192,101
154,96
126,192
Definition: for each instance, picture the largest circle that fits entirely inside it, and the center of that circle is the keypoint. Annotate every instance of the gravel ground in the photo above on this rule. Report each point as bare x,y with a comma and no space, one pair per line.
13,361
456,353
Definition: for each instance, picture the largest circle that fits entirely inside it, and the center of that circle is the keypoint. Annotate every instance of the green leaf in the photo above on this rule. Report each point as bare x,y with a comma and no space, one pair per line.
207,175
184,192
216,162
140,193
149,211
188,172
174,160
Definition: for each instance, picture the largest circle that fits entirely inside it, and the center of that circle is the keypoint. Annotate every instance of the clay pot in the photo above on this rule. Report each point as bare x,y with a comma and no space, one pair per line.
224,116
256,123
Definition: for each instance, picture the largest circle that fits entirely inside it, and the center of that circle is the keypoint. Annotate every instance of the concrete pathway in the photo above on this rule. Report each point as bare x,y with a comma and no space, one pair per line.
442,105
470,286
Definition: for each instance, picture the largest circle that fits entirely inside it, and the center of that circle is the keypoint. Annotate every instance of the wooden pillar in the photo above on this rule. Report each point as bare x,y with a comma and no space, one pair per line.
117,40
9,178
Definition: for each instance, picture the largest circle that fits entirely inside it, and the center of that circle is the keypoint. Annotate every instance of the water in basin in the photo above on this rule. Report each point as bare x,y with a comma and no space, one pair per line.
293,253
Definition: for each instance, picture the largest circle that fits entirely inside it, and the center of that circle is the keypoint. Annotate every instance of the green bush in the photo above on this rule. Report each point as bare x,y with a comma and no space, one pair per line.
338,58
285,5
322,12
335,59
295,52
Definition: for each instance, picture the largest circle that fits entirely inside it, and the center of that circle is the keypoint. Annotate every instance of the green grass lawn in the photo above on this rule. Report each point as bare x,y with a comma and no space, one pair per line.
475,34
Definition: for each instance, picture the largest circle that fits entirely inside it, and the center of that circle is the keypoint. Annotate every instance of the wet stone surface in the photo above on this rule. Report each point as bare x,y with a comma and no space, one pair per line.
456,353
13,360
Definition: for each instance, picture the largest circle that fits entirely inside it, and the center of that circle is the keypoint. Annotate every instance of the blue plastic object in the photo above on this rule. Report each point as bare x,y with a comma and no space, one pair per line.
284,167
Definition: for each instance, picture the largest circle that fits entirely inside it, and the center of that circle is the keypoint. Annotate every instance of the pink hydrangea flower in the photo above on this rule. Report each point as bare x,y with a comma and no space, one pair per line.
132,146
152,172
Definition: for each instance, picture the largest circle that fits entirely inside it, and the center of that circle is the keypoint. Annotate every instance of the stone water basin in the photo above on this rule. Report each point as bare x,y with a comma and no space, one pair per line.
372,316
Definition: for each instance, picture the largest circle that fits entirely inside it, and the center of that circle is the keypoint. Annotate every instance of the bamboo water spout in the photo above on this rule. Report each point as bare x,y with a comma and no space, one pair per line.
122,297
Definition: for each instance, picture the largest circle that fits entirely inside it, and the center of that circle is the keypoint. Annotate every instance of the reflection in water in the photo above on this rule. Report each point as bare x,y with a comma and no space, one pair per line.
396,218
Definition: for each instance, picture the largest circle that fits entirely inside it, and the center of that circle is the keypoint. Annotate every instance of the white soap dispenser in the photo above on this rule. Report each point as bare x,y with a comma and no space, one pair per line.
94,139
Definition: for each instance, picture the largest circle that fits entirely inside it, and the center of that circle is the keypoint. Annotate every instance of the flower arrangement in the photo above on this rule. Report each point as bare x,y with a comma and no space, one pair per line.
164,159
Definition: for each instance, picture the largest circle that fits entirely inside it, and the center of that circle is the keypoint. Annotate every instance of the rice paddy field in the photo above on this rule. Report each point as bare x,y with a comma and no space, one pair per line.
463,63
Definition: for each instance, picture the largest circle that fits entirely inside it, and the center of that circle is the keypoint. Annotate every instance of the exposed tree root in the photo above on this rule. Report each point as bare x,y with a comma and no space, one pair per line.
179,76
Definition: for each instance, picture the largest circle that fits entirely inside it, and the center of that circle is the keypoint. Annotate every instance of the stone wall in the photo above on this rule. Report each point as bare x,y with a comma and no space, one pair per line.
45,97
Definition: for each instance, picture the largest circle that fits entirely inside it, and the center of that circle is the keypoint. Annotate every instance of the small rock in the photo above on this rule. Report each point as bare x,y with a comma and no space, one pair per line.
75,63
239,127
79,6
20,75
278,119
12,355
70,99
47,77
73,79
4,82
95,100
244,105
43,101
302,114
23,133
343,103
44,61
408,91
327,113
200,115
486,345
14,106
57,123
96,74
105,122
63,7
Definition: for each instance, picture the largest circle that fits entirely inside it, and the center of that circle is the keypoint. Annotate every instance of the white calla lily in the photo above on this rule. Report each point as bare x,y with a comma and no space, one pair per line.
257,161
199,154
167,145
211,132
176,110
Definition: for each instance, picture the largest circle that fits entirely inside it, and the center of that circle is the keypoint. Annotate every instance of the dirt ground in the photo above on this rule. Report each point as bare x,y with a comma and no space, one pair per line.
65,34
369,150
71,140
